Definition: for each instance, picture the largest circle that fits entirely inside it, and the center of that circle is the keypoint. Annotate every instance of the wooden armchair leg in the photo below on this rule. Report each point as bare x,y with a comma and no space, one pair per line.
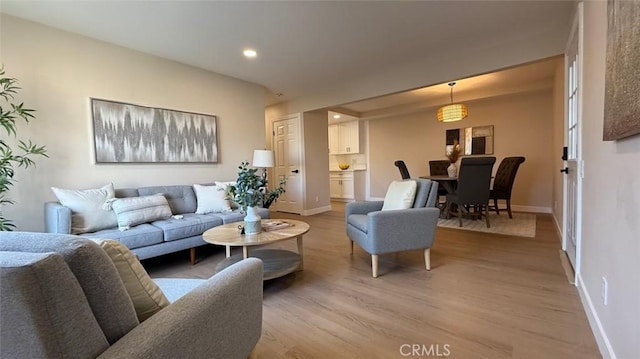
427,258
509,208
495,206
374,265
192,255
351,246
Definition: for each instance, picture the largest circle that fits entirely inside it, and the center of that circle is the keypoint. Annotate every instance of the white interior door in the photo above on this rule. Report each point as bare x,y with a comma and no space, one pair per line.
287,147
573,162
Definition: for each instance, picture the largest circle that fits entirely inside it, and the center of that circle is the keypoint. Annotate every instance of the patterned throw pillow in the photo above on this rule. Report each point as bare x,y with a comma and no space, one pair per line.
132,211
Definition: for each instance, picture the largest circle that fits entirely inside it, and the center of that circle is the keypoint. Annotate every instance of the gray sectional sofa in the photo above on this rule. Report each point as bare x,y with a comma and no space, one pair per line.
63,297
182,231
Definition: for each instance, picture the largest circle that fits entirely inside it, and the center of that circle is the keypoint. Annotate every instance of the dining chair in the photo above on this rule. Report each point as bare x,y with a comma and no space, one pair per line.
439,168
404,172
474,182
503,183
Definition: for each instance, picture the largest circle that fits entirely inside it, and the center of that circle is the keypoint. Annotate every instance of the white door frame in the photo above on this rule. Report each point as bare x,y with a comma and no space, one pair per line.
576,35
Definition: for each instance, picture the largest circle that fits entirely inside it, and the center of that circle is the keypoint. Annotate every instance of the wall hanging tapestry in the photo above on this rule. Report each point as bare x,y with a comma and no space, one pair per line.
126,133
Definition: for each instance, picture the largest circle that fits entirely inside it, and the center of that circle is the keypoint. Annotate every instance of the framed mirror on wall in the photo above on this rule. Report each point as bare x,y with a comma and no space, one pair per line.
473,140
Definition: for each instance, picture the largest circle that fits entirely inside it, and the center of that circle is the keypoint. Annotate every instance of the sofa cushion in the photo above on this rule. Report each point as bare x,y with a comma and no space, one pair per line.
44,312
137,210
146,296
138,236
181,198
237,215
94,271
211,199
189,225
176,288
400,195
88,214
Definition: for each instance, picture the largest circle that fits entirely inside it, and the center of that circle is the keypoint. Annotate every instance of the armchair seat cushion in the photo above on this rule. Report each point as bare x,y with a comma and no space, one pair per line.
359,221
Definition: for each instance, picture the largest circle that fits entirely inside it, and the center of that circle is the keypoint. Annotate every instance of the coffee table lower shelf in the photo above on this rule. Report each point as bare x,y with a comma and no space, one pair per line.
277,262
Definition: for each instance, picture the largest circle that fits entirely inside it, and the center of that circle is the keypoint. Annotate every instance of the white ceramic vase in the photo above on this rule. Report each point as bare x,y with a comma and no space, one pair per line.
452,170
252,221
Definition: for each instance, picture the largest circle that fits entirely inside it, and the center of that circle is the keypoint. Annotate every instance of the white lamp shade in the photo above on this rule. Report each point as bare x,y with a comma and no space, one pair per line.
263,158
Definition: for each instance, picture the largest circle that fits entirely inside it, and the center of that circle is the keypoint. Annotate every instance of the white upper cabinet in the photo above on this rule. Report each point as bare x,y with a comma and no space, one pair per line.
344,138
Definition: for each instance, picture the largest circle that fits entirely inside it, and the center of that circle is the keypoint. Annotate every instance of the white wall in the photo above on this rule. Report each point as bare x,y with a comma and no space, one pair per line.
523,126
611,207
59,72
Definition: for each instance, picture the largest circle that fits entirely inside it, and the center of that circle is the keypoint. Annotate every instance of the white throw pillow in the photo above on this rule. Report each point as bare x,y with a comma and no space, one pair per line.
87,212
225,187
211,199
132,211
400,195
145,294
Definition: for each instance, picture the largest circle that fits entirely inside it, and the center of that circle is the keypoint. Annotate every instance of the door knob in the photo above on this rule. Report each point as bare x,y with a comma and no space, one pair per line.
295,171
565,170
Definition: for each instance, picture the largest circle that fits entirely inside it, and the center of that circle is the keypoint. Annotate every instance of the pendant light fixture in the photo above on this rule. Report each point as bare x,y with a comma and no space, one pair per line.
454,111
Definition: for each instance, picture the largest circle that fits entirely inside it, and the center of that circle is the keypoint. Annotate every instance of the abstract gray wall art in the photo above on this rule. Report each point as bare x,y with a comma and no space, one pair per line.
622,83
126,133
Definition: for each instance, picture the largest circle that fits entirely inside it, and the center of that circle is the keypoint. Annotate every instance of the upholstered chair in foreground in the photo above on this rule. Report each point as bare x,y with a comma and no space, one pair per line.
404,221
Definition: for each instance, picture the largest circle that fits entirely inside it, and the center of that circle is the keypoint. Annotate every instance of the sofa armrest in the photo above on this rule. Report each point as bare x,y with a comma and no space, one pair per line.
404,229
57,218
362,207
222,318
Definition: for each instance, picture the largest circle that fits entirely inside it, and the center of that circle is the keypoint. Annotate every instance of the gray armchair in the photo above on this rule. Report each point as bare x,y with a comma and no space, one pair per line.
379,232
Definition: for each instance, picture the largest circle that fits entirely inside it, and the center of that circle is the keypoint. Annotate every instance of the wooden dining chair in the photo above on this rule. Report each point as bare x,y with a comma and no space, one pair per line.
404,172
474,181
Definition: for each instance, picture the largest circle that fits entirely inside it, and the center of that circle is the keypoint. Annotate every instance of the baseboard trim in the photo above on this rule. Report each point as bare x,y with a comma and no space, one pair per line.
311,212
530,209
594,320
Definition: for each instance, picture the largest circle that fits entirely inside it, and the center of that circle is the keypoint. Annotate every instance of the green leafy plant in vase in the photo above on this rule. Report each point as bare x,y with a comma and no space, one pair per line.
19,156
250,192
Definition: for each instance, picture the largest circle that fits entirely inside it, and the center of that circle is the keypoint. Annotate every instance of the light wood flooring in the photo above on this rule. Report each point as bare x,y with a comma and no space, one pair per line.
486,296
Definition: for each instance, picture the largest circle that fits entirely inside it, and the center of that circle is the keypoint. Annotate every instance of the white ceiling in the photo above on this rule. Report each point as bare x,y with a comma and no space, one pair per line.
304,46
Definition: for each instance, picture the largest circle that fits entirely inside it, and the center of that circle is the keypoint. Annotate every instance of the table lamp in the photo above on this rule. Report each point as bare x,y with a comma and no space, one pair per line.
263,159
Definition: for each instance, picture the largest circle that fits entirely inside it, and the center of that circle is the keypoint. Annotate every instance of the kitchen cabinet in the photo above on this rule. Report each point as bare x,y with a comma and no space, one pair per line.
344,138
341,185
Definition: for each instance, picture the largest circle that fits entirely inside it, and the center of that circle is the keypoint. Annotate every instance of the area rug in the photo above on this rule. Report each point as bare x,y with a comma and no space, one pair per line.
522,224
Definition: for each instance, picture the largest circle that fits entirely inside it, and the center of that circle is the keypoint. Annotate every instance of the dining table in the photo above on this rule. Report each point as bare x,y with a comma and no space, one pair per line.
449,184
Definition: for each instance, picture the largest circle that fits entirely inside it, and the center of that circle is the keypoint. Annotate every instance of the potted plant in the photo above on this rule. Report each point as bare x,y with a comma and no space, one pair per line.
250,191
9,156
453,154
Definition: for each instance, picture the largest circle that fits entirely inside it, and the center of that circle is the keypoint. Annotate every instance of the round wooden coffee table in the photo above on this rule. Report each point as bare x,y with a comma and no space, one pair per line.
277,262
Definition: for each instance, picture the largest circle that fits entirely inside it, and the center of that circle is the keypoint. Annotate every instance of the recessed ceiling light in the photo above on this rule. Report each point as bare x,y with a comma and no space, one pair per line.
336,116
250,53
